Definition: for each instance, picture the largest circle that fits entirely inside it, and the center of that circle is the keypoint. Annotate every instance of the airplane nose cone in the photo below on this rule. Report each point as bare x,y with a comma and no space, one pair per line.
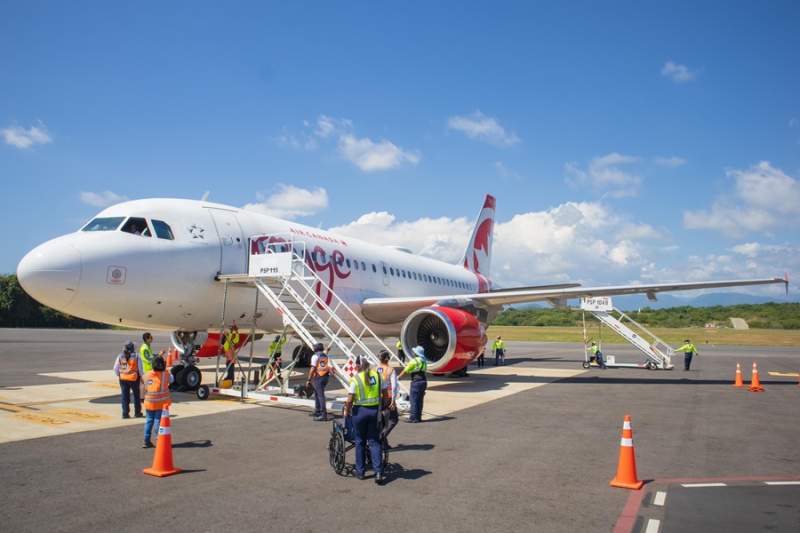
51,273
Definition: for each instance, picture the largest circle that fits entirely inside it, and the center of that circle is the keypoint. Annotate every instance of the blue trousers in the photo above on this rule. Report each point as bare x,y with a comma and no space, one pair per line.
499,357
365,422
320,409
153,419
127,387
599,358
687,360
417,399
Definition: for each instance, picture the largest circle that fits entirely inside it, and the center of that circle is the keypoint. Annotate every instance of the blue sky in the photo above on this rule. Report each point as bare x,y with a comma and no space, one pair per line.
624,141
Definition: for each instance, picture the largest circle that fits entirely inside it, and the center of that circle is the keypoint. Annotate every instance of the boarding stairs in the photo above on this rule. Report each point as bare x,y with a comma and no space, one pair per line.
658,353
280,273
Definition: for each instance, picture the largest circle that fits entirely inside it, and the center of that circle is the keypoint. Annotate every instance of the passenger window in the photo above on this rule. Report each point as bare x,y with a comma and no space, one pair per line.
384,268
391,271
162,229
103,224
137,226
363,265
347,261
403,272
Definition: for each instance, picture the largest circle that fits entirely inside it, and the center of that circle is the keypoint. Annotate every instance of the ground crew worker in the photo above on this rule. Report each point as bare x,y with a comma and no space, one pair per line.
318,376
689,350
419,382
276,346
499,348
229,347
597,355
126,367
146,358
400,353
389,414
156,397
365,395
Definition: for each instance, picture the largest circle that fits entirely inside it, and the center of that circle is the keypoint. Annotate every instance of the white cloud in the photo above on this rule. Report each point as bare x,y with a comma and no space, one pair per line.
506,172
749,249
671,162
366,154
763,198
21,138
329,126
101,199
605,174
569,241
290,202
371,156
677,72
482,128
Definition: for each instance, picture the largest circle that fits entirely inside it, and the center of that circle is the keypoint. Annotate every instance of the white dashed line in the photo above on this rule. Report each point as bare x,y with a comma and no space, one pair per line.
659,498
652,526
782,482
698,485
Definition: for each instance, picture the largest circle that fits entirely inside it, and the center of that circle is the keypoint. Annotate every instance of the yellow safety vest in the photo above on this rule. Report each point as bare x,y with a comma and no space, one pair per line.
368,394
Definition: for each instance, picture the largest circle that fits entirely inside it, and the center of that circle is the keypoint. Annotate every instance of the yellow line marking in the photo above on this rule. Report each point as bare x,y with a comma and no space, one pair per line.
785,374
41,419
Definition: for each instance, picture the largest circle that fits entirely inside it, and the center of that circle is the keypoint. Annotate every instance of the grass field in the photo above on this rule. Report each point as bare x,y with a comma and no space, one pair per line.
699,336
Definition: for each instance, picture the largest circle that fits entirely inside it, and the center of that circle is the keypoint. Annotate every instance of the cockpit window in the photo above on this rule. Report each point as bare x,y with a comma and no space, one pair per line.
103,224
137,226
162,229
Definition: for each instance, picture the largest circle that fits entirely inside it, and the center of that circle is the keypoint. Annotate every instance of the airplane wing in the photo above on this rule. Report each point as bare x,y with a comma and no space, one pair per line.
391,310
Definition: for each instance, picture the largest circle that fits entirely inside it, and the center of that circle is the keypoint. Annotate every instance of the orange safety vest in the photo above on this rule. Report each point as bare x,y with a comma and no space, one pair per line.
156,390
385,370
322,365
129,368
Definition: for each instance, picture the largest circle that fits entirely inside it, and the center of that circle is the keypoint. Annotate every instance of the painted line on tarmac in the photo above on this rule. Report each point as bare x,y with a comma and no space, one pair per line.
660,497
782,482
652,526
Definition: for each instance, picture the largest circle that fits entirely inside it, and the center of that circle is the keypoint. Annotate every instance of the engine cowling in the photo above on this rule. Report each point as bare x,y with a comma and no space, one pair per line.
451,337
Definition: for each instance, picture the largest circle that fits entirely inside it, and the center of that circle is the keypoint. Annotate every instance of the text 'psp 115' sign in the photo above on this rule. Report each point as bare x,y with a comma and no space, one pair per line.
598,303
270,264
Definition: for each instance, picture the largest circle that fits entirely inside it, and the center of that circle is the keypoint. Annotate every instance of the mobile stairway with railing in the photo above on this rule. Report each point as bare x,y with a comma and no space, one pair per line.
658,354
278,271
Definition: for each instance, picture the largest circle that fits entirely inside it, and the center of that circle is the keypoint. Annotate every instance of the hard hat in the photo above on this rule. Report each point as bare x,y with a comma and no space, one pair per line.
419,350
129,348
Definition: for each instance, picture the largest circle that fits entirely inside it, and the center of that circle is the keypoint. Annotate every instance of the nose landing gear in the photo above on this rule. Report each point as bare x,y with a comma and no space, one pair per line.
187,377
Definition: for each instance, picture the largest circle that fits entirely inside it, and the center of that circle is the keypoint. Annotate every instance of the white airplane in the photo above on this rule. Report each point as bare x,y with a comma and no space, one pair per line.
154,264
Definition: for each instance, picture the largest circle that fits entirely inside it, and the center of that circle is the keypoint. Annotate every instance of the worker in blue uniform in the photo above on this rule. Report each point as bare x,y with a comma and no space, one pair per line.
367,393
417,369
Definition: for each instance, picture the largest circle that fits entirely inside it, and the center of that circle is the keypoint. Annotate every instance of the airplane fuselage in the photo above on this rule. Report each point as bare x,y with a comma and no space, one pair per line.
107,273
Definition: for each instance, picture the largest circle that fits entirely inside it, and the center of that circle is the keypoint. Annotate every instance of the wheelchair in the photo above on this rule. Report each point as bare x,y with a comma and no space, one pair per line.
343,440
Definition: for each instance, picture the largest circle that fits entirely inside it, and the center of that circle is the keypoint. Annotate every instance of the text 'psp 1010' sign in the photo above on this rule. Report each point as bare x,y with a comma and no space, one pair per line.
598,303
270,264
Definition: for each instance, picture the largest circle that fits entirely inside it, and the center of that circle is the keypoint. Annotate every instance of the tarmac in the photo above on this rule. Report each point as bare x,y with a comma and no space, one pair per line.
530,446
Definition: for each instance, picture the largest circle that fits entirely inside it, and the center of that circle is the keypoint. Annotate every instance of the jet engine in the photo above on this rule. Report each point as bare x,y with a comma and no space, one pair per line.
451,337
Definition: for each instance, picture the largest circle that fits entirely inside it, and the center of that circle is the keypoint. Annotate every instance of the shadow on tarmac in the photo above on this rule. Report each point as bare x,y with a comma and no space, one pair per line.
411,447
194,444
394,471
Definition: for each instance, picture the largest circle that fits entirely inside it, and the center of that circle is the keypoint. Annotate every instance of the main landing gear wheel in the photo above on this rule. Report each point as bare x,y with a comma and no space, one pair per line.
203,392
186,377
302,354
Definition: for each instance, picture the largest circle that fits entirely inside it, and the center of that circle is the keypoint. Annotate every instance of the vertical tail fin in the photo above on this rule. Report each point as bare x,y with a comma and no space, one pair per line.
478,255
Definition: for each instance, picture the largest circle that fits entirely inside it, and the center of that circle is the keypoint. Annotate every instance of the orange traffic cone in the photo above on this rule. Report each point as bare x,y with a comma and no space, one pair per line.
739,382
755,383
626,468
162,460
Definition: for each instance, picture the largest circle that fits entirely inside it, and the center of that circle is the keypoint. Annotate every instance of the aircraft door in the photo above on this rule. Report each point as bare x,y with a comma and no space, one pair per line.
232,259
